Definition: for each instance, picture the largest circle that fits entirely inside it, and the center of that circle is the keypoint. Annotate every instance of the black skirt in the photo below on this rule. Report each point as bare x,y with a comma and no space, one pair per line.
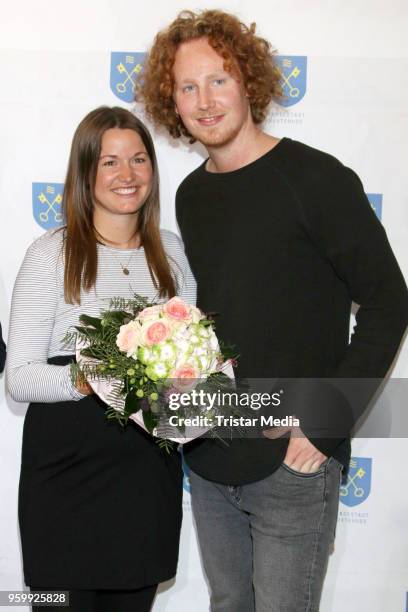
100,506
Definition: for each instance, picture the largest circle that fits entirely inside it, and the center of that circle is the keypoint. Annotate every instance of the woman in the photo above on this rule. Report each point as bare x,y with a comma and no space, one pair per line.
99,506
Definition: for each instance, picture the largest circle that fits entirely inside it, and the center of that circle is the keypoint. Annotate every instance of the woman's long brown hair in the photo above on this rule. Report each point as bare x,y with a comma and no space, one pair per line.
80,239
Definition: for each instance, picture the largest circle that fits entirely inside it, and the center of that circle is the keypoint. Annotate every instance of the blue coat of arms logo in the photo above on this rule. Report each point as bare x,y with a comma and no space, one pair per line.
293,70
47,200
375,200
125,68
186,478
358,485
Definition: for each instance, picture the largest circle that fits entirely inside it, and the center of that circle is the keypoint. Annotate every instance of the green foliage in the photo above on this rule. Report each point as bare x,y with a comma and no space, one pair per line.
150,420
90,322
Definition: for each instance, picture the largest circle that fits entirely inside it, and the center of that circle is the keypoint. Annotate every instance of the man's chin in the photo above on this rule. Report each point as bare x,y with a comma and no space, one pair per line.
215,138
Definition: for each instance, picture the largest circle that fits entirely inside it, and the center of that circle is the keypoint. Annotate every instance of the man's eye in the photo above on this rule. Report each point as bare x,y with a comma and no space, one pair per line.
188,88
219,81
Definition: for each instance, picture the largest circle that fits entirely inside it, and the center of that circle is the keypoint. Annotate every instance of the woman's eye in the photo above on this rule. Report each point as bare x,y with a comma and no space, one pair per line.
139,160
109,162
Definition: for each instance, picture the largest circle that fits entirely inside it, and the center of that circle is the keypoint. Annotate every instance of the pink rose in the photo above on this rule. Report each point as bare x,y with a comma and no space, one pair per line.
185,377
177,309
128,338
155,332
150,312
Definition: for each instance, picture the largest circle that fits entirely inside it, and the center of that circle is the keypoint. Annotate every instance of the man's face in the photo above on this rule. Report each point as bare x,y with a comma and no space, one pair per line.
211,103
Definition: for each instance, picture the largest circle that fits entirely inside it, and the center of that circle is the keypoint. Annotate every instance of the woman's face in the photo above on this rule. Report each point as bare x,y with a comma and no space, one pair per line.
124,174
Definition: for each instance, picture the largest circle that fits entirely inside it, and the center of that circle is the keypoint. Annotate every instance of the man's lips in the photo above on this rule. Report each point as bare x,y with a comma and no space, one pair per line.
210,121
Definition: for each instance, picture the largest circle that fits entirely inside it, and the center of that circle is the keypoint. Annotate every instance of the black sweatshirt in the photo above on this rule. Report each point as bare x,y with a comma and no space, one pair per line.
280,248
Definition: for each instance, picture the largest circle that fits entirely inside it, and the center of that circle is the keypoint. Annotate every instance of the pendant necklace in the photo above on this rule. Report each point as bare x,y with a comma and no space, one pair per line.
125,268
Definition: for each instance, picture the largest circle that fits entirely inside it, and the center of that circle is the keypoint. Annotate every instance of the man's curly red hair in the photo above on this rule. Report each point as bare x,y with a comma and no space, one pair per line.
241,49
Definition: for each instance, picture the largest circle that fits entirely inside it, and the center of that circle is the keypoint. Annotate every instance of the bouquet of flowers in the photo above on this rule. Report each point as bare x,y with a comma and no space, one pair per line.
138,354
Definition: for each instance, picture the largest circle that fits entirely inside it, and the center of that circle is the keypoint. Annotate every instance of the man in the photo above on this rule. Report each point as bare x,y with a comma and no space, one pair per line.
280,238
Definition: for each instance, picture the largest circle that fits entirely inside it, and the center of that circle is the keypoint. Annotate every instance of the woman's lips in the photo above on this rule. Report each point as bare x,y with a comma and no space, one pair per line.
125,191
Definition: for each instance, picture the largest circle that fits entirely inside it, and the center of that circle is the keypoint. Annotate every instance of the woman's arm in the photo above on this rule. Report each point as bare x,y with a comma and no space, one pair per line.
33,309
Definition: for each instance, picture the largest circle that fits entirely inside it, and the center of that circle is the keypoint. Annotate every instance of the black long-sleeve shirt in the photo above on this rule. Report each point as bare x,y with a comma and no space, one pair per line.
280,248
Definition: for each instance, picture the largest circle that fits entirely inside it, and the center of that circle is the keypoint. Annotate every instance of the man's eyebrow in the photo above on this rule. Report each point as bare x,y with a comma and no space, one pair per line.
208,76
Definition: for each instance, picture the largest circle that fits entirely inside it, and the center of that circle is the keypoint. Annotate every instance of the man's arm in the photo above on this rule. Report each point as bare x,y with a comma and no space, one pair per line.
347,232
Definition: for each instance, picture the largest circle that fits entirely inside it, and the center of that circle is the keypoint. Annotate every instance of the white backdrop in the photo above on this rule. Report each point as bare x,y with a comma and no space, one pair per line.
349,61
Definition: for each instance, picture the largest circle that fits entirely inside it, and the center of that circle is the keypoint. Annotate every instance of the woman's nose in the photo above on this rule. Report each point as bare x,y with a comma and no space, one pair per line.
126,172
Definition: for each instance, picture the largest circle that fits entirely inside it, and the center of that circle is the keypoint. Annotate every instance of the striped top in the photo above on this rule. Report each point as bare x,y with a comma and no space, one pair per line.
40,317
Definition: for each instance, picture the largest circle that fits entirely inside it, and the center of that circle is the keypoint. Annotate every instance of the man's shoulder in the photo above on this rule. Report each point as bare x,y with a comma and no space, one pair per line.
299,165
310,171
297,155
191,181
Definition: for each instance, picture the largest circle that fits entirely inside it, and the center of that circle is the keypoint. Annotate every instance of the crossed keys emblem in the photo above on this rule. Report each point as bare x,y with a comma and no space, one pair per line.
293,72
51,202
294,92
125,68
359,474
129,74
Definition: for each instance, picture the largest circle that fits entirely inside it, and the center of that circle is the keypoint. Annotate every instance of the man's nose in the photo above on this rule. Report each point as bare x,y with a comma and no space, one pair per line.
205,100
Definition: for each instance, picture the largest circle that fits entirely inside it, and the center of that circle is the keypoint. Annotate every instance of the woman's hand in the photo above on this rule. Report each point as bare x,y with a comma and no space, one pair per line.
82,386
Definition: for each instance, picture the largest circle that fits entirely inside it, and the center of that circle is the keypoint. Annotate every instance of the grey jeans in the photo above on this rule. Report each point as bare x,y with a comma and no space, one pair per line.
265,545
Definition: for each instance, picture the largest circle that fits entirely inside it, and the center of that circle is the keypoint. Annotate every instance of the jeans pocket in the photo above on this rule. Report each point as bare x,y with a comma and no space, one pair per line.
307,475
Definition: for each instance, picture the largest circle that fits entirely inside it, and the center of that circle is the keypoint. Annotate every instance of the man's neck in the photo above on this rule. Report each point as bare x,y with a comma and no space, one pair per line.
249,145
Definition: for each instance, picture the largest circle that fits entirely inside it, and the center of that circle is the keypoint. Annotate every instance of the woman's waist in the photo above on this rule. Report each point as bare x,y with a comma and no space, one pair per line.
61,359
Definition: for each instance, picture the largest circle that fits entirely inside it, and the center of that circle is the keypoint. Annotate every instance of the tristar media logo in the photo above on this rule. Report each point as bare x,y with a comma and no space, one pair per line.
293,70
358,485
375,200
125,68
47,200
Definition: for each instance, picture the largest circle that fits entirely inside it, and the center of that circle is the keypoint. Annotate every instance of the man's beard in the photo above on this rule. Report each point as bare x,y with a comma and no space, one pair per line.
217,136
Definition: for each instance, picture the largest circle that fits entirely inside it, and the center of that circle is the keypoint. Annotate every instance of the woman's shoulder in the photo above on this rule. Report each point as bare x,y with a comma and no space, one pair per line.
186,286
50,243
171,242
46,251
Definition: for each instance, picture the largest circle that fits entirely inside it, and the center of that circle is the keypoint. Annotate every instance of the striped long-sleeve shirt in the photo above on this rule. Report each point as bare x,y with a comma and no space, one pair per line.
40,316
